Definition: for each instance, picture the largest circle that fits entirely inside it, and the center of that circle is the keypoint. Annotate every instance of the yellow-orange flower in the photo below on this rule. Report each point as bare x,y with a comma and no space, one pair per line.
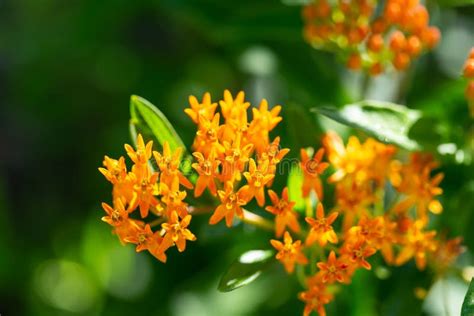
115,170
207,136
169,164
263,122
315,298
144,188
447,251
233,110
204,109
358,251
235,157
332,270
177,232
143,152
231,205
117,215
257,178
312,168
416,244
207,170
284,213
173,198
289,252
321,229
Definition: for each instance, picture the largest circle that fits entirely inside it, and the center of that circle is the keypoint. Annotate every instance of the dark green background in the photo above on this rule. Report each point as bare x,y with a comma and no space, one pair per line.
67,70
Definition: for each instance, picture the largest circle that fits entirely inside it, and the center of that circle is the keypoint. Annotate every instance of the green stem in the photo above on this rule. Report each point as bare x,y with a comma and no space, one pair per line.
364,88
257,221
157,222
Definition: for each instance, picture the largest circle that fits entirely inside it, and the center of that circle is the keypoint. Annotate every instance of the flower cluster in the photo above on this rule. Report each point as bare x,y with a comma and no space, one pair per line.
368,40
468,73
399,231
382,204
234,149
149,191
225,154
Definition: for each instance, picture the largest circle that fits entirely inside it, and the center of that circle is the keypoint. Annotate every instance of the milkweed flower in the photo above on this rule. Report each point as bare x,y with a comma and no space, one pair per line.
315,297
372,40
416,243
289,252
207,170
312,169
231,205
148,191
235,160
205,109
177,232
333,269
419,187
285,216
321,229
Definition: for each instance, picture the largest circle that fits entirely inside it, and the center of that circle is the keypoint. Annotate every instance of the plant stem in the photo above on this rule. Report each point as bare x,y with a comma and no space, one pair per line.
156,222
257,221
365,85
445,296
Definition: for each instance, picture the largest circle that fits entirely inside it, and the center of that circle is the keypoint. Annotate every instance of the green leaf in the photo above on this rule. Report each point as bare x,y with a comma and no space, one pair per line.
386,121
468,305
295,184
455,3
245,269
152,124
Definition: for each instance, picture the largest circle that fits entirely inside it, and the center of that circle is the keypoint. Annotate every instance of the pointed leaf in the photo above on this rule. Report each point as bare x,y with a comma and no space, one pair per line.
152,124
468,305
386,121
245,269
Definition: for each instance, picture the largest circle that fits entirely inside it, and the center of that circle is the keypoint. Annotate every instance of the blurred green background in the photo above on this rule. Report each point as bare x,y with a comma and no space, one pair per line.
67,70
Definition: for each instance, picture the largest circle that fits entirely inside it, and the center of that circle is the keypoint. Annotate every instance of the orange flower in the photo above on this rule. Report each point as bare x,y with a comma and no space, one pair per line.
204,109
117,215
145,188
142,154
315,298
257,178
274,154
416,243
263,122
419,187
168,163
145,239
207,137
207,170
115,170
378,233
321,229
312,168
231,204
358,251
174,198
289,253
447,252
177,232
235,158
353,200
332,270
283,211
233,110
